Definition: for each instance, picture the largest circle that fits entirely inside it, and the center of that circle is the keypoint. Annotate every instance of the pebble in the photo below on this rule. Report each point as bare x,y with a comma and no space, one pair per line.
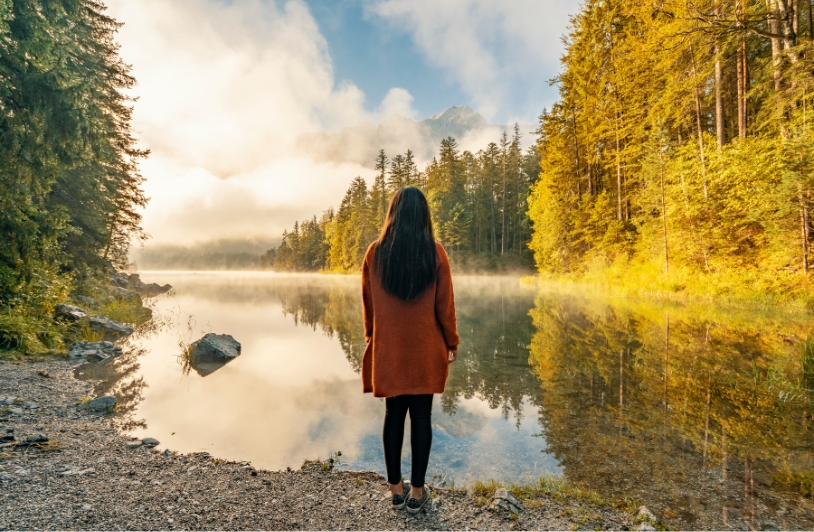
123,484
17,411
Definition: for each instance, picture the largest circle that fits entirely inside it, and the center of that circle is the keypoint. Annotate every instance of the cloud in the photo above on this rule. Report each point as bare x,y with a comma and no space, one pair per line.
497,51
224,90
235,100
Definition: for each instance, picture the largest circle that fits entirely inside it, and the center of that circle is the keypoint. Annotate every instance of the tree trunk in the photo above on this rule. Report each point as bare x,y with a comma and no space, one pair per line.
804,230
777,45
618,171
810,21
700,128
719,100
621,379
666,364
503,217
664,214
706,419
742,77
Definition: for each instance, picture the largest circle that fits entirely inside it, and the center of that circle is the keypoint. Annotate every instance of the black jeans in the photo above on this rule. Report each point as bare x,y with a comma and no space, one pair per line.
420,407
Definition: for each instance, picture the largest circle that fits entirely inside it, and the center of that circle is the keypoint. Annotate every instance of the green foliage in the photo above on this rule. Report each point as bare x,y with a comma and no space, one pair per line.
69,186
478,204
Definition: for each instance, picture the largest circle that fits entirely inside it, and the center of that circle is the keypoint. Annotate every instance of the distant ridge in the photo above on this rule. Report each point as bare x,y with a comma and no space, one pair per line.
361,143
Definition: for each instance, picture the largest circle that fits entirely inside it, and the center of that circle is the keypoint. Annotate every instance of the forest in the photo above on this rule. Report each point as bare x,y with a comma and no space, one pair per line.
679,157
478,203
70,189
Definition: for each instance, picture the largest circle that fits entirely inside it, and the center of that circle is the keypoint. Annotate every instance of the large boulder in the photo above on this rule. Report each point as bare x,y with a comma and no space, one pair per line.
111,330
212,352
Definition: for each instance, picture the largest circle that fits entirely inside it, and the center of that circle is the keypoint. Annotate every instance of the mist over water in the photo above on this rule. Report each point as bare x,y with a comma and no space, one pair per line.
702,414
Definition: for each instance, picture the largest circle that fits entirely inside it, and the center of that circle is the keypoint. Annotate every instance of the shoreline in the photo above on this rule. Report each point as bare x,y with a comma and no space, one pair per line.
86,476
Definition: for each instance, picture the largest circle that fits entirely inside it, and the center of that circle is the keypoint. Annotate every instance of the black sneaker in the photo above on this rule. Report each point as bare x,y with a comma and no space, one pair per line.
400,500
415,505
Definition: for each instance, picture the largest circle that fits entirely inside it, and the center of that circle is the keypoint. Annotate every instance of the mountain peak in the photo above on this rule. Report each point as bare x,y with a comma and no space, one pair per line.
456,112
455,122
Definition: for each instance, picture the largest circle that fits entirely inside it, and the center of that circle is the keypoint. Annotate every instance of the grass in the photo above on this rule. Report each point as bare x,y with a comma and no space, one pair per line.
580,504
807,363
550,487
800,481
732,287
127,310
31,331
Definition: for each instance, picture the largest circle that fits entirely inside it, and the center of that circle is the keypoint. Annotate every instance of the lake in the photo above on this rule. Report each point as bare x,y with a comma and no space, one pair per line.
703,414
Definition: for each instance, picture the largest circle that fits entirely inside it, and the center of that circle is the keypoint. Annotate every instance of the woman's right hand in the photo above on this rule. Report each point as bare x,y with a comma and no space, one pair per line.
453,355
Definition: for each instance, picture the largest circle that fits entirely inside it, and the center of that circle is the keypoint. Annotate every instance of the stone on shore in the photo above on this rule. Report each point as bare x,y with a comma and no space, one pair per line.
502,500
94,351
101,404
111,330
150,442
133,282
69,312
212,352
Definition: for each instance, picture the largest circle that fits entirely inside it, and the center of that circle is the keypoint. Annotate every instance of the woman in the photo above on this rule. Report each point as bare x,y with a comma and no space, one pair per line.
411,334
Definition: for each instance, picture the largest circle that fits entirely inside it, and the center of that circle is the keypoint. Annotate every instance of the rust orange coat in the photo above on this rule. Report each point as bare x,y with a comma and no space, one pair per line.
407,341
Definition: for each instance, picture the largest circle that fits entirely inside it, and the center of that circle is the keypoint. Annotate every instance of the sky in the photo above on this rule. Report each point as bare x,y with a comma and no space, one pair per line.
228,88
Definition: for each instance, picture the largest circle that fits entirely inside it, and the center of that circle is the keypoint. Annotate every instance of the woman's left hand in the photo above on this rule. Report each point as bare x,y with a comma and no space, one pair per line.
453,355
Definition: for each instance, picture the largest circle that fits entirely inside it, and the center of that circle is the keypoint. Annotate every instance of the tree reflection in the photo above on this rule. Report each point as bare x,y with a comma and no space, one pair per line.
695,416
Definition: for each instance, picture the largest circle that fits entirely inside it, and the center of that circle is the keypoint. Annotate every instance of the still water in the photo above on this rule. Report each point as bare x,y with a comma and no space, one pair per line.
704,415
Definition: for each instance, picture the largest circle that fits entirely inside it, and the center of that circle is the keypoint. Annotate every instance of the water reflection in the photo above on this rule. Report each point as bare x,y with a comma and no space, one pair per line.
295,392
703,415
700,415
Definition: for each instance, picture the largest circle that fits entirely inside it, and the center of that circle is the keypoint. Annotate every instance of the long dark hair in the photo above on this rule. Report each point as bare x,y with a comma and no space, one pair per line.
405,251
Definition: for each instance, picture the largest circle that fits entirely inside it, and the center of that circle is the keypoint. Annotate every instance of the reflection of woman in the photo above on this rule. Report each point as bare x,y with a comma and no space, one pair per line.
410,327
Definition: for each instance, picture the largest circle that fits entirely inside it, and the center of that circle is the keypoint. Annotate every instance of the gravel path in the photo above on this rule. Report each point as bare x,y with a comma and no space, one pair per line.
84,474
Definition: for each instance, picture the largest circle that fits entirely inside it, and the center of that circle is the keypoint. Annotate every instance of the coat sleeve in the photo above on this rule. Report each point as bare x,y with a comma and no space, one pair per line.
445,301
367,297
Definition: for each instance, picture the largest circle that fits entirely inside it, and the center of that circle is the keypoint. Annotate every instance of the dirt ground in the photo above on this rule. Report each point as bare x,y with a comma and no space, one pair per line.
63,466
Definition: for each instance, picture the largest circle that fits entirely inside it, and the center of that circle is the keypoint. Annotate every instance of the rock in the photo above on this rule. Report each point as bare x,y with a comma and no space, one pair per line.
212,352
94,351
152,289
644,513
31,406
150,442
69,312
101,404
7,400
36,438
502,500
111,330
645,526
17,411
134,444
87,301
